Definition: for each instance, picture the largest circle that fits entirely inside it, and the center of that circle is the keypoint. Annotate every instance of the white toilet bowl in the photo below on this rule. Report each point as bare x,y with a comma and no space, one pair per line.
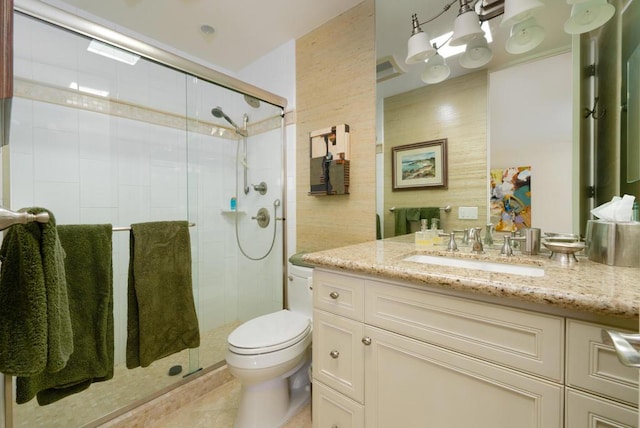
270,356
264,353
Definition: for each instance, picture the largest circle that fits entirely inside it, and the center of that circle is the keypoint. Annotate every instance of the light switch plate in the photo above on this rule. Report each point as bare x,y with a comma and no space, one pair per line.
468,213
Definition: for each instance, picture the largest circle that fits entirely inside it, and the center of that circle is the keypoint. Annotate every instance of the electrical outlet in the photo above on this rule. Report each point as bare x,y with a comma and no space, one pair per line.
468,213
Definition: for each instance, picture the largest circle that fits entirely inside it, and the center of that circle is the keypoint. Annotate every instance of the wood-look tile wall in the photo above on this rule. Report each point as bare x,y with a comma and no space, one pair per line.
335,83
456,110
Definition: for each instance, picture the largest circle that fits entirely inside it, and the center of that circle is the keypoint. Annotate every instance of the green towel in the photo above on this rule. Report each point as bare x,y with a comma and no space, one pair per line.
35,326
162,318
89,273
413,214
430,213
400,218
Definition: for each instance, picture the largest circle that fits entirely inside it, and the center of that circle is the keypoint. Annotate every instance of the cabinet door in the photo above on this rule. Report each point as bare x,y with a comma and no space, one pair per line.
594,366
413,384
338,354
585,410
334,410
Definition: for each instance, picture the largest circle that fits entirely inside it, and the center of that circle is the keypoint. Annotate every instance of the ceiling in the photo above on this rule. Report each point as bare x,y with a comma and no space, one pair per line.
246,30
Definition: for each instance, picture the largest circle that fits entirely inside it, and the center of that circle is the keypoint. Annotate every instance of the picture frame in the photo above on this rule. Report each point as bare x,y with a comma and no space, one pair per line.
419,165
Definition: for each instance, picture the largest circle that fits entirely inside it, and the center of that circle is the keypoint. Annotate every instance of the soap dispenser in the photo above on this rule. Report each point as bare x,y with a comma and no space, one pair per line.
423,237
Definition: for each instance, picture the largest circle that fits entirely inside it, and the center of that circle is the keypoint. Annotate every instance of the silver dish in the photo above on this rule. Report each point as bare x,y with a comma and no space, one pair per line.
564,252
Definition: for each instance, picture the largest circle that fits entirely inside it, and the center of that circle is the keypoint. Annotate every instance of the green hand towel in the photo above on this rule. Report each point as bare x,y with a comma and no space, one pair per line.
400,218
430,213
413,214
35,326
89,273
162,318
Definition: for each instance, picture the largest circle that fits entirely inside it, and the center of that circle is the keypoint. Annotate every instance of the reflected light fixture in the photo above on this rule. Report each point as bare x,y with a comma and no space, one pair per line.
466,25
525,36
436,69
418,47
516,11
587,15
477,53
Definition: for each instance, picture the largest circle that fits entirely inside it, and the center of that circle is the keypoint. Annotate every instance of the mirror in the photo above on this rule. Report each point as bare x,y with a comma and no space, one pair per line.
402,82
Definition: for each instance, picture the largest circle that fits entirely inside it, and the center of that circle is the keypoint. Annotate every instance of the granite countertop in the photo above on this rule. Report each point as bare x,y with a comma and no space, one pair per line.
583,286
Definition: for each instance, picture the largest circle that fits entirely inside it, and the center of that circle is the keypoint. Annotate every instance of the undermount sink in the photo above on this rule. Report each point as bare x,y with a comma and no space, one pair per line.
512,269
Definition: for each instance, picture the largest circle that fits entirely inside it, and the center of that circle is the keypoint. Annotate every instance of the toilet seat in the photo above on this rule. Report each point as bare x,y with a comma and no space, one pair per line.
269,333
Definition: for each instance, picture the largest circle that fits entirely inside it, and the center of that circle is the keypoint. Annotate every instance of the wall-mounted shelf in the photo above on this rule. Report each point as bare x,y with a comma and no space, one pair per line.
230,212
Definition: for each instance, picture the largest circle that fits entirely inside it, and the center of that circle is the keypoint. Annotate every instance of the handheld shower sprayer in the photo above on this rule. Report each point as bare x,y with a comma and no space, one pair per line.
217,112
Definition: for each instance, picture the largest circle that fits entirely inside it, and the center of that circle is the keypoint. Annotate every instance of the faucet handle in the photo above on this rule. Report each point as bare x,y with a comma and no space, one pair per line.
451,246
506,249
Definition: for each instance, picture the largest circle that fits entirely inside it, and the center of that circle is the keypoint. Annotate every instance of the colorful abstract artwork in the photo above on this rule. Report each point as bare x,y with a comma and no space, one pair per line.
511,198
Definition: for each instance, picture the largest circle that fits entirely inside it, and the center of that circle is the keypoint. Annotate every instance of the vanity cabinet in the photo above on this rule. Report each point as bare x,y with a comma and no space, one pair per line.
388,354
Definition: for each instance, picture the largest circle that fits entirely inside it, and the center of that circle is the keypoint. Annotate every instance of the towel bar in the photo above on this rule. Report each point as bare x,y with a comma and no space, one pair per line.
9,218
125,228
446,209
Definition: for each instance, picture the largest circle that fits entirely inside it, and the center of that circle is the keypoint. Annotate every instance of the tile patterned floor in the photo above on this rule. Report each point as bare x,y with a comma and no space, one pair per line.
218,410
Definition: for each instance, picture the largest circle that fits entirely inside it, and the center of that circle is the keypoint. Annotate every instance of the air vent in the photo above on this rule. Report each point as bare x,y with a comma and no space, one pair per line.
387,68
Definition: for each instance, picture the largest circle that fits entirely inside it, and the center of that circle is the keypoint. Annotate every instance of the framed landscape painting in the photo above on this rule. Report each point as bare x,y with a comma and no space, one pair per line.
420,165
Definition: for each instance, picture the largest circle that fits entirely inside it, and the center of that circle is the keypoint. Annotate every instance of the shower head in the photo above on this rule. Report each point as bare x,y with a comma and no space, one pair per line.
217,112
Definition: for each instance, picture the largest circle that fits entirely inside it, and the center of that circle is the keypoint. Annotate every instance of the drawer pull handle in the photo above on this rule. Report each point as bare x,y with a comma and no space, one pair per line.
334,295
334,426
334,354
623,344
366,340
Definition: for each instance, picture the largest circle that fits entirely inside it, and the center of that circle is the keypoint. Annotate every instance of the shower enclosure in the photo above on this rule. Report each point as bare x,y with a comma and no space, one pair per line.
104,135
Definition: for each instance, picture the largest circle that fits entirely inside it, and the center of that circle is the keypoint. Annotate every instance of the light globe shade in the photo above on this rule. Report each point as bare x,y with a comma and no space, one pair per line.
518,10
465,27
588,15
477,53
419,48
436,70
525,36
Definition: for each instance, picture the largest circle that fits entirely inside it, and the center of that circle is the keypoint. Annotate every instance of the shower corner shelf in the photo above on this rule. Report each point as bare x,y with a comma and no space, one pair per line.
232,212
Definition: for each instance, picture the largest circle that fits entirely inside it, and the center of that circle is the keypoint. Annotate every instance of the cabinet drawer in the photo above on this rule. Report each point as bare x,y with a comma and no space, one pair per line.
338,354
585,410
515,338
412,384
594,366
331,409
339,294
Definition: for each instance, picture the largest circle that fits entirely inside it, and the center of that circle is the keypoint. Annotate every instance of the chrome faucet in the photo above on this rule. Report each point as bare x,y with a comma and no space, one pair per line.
476,247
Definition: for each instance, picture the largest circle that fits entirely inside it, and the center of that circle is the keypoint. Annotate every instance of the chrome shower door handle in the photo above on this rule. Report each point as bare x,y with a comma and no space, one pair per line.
624,345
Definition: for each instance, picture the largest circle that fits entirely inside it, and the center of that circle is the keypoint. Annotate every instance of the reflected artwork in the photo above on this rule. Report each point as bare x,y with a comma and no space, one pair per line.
511,198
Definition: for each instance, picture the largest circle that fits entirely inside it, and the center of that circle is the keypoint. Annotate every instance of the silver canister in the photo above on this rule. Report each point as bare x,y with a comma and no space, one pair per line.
531,242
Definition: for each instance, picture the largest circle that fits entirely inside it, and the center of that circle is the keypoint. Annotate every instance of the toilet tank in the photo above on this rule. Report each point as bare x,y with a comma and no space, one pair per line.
299,289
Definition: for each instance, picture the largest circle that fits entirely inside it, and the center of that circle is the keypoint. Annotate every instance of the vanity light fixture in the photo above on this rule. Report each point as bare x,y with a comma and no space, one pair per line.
467,31
526,34
477,53
587,15
436,70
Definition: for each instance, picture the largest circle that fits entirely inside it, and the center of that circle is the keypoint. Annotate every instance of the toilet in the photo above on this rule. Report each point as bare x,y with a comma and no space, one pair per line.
270,356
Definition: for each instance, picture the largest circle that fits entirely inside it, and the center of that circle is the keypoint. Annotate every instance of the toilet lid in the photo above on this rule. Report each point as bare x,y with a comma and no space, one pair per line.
269,333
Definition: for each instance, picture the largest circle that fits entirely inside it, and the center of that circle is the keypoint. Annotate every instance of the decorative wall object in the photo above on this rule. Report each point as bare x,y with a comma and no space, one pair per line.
511,198
330,153
420,165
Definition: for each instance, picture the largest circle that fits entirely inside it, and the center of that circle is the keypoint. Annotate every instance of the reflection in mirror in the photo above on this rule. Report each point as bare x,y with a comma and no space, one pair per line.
532,116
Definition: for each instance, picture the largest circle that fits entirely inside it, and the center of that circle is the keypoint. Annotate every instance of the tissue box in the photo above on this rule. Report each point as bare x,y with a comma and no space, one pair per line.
614,244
